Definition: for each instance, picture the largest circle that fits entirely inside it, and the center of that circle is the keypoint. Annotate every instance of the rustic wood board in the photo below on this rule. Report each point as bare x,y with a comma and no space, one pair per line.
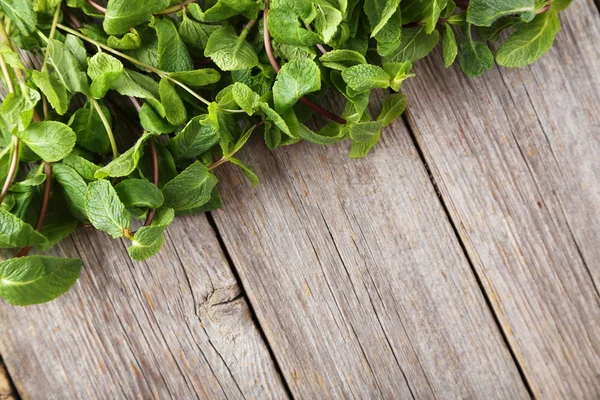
357,277
173,327
6,389
516,156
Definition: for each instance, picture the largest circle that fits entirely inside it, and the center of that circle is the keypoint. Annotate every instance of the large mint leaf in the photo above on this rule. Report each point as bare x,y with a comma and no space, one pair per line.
53,89
139,193
296,79
229,51
530,41
379,12
16,233
365,77
475,58
37,279
132,83
148,240
90,131
104,70
190,189
222,10
327,21
198,136
485,12
67,68
174,107
197,78
195,33
105,210
449,47
51,140
74,188
415,44
127,162
124,14
173,55
21,13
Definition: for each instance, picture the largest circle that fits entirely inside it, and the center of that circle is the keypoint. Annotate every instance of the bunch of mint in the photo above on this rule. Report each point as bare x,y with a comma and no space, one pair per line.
191,82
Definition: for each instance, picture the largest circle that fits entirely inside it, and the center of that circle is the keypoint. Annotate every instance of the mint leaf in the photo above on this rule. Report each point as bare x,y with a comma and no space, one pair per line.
51,140
485,12
222,10
152,122
197,78
139,193
329,134
415,44
66,67
245,98
90,131
104,70
74,188
173,55
197,137
130,41
134,84
327,20
174,107
341,59
148,240
85,168
190,189
194,33
252,177
124,14
53,89
126,163
379,12
450,50
393,106
530,41
16,233
37,279
475,58
21,13
105,210
17,110
365,77
295,79
229,51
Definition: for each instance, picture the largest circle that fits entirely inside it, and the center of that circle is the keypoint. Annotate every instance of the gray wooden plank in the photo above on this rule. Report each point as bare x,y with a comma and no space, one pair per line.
7,391
516,156
357,277
176,326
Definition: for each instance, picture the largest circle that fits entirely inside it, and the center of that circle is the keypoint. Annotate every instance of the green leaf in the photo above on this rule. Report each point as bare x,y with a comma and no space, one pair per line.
85,168
77,48
415,44
559,5
229,51
285,26
329,134
485,12
194,33
130,41
342,59
10,57
74,189
492,33
90,131
379,12
139,193
190,189
148,240
475,58
134,84
105,210
222,10
37,279
51,140
530,41
16,233
295,79
173,55
327,20
363,131
197,78
104,70
361,78
152,122
174,107
393,106
245,98
57,225
449,47
274,116
17,110
66,67
399,71
198,136
124,14
252,177
21,13
54,91
126,163
361,149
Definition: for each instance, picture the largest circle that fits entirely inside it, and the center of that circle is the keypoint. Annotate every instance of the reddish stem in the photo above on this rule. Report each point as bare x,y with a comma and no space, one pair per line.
275,65
97,6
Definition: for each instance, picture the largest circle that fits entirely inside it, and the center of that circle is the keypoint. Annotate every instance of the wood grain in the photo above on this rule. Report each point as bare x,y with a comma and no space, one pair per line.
6,389
357,277
176,326
516,156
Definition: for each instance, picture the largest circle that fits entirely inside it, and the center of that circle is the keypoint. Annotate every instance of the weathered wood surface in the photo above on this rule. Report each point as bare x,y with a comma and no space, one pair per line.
516,156
6,390
173,327
357,277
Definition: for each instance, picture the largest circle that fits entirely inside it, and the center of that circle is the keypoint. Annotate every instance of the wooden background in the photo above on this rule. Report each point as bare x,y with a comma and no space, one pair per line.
460,259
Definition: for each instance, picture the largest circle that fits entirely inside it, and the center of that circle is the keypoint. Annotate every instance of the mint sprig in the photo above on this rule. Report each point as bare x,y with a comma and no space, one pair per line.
192,84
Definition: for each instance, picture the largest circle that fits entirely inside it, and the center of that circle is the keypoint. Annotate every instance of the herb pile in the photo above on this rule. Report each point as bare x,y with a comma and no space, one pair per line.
189,83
